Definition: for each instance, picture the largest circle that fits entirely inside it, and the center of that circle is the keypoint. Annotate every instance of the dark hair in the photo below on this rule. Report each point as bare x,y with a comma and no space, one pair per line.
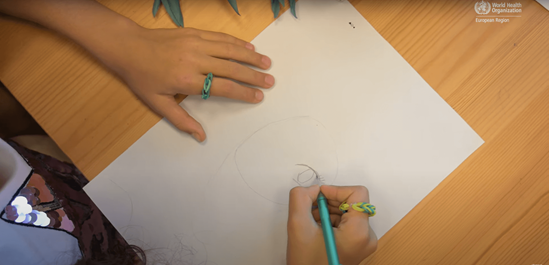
117,255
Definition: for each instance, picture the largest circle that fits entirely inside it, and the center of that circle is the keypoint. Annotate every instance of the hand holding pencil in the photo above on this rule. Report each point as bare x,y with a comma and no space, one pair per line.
355,240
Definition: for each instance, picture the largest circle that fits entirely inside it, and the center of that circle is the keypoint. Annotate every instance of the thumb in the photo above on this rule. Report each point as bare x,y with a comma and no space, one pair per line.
167,107
300,208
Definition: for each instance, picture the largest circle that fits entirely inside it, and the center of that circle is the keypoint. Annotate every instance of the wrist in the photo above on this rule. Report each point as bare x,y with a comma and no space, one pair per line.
113,40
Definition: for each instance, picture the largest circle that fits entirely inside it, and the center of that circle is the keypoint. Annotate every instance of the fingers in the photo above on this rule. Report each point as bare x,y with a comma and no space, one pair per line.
176,115
351,194
222,37
232,51
222,87
331,209
301,201
238,72
354,236
334,220
335,216
225,46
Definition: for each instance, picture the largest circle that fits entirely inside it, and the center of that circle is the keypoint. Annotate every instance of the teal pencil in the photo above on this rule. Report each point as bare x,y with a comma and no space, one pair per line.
327,230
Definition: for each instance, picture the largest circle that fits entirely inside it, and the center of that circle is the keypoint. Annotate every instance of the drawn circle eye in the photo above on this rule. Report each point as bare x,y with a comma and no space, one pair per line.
306,176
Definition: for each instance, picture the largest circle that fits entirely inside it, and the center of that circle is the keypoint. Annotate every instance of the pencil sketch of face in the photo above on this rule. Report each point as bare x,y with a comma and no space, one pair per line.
286,154
246,201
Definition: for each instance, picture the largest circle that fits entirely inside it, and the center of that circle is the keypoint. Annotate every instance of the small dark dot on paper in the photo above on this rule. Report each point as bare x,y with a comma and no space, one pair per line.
350,23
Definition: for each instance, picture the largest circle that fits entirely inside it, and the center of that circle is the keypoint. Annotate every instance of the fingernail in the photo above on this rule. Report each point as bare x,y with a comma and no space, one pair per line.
250,46
266,61
195,136
269,79
258,95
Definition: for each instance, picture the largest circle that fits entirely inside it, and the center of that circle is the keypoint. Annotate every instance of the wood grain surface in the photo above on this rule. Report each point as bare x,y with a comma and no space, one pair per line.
493,209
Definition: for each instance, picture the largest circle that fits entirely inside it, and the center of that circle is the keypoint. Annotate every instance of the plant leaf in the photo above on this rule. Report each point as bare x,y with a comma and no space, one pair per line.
292,7
276,7
174,4
281,2
174,10
234,5
155,7
169,11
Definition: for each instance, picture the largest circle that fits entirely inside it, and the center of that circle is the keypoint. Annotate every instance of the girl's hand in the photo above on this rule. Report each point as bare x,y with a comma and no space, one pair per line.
155,63
355,239
160,63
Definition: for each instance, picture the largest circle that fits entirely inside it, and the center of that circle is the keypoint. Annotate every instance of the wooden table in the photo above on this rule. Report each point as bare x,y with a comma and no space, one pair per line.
493,209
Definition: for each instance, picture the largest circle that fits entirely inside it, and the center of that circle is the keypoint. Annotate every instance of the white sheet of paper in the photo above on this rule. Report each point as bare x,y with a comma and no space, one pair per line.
345,103
544,3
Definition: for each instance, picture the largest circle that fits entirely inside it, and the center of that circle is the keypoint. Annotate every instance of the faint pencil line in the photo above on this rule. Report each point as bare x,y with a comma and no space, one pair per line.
269,124
131,203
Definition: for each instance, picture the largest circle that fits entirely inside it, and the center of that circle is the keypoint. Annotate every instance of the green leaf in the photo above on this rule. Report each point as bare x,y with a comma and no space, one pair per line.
174,10
276,7
155,7
174,4
169,10
235,7
292,7
281,2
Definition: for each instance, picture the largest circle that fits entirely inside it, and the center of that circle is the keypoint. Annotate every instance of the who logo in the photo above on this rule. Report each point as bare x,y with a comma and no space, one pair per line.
483,7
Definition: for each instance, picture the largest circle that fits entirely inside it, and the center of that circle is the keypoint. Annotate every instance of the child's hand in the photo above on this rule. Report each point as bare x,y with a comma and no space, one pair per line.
155,63
355,239
160,63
